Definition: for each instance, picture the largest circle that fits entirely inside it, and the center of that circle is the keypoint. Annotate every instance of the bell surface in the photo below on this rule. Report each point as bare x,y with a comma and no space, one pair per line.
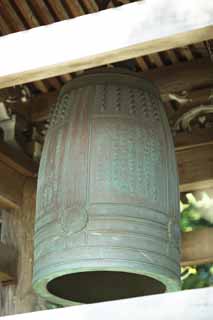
107,216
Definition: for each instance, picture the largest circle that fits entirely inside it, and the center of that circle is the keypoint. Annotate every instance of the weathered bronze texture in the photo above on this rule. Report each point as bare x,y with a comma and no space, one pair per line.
107,223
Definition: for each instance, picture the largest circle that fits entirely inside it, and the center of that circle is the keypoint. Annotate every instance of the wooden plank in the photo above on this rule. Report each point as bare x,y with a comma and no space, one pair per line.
135,29
197,247
156,60
41,86
41,11
11,16
4,27
172,56
185,53
58,10
185,76
11,187
90,5
142,64
195,167
8,263
27,13
190,304
196,138
74,7
18,229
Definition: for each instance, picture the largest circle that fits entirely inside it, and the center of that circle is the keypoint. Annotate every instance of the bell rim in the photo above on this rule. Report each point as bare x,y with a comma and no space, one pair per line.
171,284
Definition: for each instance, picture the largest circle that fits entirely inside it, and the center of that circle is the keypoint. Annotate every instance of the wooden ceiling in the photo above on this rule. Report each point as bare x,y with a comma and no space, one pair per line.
19,15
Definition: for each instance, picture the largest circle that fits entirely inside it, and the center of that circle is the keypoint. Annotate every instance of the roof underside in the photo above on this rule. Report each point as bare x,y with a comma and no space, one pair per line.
19,15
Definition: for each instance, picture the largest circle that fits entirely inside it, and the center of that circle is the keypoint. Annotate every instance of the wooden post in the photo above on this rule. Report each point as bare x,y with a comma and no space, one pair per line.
8,263
18,231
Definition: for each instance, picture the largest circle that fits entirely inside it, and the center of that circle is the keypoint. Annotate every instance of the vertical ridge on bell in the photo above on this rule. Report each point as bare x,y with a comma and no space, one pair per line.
107,201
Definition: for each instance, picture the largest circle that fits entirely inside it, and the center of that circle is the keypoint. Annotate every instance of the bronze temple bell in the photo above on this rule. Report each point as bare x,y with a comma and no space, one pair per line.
107,221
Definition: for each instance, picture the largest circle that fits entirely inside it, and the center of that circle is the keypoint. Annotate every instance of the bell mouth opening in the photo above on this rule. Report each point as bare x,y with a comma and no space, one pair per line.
100,286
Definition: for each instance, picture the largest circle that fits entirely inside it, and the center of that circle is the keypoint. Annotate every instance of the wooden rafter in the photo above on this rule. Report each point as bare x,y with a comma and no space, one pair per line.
95,42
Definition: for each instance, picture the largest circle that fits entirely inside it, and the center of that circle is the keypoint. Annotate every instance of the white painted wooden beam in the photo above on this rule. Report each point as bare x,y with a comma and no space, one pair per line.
191,305
104,37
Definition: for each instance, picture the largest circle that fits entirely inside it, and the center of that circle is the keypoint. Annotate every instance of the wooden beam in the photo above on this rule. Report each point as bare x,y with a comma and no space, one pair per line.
197,247
195,167
193,139
18,160
8,263
185,76
189,304
41,105
11,187
112,35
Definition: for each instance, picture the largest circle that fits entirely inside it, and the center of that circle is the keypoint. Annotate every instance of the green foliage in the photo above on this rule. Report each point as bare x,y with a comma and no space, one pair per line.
197,277
194,215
